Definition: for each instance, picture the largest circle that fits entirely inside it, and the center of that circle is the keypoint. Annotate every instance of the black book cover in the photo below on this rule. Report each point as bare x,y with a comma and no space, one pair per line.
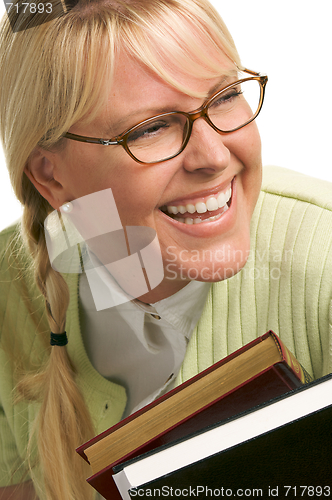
294,460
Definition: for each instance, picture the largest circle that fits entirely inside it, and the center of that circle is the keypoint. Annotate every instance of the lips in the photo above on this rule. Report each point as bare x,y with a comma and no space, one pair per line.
201,209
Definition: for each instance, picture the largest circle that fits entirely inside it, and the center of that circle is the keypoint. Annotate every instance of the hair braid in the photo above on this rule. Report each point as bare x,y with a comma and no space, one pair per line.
63,410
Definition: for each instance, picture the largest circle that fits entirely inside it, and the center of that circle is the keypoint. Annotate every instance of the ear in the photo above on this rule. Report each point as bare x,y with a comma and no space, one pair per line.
40,171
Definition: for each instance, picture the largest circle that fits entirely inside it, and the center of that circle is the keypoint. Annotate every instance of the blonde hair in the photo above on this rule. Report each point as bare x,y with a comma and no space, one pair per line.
52,76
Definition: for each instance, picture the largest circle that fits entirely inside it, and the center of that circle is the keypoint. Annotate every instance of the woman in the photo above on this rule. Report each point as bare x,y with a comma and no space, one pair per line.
100,70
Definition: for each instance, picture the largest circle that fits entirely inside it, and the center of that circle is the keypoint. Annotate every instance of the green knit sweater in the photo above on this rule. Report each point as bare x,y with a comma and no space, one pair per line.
285,286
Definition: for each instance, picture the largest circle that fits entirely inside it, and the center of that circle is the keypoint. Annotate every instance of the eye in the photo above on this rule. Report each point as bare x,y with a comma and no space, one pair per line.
149,131
228,97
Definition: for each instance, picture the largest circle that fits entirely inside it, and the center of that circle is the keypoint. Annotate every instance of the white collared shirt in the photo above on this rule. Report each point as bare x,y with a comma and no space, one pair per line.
137,345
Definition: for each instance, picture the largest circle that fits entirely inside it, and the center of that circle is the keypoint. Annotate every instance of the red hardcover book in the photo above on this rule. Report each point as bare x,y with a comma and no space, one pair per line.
258,372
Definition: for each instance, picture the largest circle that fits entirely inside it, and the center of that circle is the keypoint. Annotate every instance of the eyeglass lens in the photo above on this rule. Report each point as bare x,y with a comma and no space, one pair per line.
163,137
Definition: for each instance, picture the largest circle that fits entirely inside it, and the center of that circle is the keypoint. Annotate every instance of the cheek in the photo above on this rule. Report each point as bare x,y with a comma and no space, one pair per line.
247,149
136,190
245,145
93,168
82,170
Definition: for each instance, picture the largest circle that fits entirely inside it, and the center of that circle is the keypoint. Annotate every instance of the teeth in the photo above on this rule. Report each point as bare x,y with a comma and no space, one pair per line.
214,217
172,210
191,208
212,203
201,207
189,220
222,199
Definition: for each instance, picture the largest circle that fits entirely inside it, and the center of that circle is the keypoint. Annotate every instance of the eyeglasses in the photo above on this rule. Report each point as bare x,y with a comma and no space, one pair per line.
165,136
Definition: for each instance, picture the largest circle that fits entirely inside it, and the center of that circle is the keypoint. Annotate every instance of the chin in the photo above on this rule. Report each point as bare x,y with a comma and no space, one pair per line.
207,265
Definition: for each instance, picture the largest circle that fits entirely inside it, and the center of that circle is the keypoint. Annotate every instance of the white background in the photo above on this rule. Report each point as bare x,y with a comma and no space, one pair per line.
291,41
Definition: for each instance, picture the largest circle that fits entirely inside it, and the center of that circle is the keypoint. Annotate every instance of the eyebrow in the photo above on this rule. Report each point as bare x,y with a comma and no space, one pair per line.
157,110
216,87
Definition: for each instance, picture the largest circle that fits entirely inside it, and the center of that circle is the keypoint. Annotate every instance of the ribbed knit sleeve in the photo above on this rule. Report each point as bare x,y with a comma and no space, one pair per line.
286,284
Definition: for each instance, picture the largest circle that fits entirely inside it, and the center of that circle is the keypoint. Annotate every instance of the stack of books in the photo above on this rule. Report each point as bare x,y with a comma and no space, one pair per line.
236,426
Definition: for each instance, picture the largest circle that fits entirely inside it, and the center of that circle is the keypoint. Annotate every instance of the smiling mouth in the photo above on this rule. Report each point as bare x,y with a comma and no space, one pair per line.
202,211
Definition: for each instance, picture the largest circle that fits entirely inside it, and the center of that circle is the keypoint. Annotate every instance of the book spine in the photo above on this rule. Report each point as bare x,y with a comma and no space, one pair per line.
81,449
300,372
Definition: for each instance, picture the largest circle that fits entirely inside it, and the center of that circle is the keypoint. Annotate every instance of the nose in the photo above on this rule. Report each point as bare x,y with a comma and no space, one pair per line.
206,150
